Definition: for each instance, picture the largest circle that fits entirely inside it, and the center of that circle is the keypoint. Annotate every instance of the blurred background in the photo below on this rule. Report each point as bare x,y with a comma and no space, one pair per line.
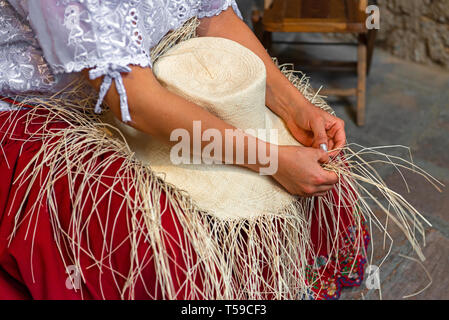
404,101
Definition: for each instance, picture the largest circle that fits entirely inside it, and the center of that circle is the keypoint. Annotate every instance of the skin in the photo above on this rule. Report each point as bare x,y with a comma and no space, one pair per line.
158,112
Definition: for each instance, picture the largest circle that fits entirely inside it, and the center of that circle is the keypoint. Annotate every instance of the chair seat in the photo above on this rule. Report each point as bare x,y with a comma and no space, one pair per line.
342,16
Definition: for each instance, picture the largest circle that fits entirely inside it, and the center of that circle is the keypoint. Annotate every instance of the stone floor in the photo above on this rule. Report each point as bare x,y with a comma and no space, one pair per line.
407,104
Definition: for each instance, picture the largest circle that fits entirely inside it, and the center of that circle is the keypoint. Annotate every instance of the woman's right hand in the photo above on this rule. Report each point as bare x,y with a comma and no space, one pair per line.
300,171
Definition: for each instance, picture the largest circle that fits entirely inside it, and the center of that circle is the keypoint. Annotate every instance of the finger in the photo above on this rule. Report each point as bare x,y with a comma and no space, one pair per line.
340,135
323,156
322,194
331,144
332,130
319,133
334,153
323,188
328,177
304,137
315,194
337,149
317,191
337,138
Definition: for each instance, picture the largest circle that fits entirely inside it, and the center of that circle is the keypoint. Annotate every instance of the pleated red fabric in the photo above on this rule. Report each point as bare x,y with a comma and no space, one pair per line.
31,265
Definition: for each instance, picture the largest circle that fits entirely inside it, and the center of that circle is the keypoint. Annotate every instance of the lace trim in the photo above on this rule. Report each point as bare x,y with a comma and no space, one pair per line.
142,61
225,6
110,71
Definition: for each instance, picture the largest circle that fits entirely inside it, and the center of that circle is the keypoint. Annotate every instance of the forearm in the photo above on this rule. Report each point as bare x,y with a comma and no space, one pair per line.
281,96
158,112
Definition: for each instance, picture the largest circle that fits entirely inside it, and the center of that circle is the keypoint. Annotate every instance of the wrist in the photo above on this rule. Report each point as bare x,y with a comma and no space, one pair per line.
265,160
287,103
280,104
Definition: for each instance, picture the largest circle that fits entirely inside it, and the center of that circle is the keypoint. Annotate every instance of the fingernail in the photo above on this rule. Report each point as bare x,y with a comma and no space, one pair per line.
324,147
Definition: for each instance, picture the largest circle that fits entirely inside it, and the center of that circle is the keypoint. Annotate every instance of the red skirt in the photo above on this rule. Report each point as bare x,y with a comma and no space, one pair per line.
32,265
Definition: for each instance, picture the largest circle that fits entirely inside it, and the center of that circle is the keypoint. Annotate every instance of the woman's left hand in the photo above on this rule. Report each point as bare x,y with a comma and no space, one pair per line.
312,127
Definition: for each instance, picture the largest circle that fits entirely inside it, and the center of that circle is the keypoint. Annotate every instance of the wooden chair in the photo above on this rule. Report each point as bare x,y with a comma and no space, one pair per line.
324,16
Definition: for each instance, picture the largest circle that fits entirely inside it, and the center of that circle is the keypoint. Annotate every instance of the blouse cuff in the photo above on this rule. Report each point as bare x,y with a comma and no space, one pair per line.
112,71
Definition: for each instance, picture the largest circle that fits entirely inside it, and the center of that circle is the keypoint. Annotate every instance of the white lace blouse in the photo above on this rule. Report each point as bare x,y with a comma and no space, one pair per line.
42,42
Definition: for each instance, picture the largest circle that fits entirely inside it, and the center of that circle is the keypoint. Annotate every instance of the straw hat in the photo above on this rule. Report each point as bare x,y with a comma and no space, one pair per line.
229,81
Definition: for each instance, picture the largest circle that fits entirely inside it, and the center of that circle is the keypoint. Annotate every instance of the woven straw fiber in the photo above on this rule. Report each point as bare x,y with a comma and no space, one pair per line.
229,81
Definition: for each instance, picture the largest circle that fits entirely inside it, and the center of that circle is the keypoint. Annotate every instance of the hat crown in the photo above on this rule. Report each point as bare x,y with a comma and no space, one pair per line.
219,75
229,81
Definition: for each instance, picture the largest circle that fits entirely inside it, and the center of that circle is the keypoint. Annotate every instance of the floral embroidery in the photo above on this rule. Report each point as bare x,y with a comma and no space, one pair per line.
22,66
328,275
104,35
123,32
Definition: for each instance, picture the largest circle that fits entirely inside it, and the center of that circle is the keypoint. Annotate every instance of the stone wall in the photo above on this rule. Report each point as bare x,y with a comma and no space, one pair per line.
415,30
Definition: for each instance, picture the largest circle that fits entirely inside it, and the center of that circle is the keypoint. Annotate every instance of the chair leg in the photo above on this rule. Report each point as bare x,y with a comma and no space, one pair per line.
264,37
256,19
361,79
370,40
267,40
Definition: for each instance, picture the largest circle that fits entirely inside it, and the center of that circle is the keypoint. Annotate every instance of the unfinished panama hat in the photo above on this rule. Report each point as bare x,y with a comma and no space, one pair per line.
244,226
229,81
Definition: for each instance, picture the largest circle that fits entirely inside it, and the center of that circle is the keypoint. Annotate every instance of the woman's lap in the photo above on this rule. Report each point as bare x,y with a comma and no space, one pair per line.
35,262
30,260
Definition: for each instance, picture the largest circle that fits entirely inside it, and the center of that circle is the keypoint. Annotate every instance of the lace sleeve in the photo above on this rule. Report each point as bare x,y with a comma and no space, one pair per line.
211,8
104,36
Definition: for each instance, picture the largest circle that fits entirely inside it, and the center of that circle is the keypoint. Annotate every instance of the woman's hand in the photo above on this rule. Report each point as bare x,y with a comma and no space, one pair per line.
312,127
300,171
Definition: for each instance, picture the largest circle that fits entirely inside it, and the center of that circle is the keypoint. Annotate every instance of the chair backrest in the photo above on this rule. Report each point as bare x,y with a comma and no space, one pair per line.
363,4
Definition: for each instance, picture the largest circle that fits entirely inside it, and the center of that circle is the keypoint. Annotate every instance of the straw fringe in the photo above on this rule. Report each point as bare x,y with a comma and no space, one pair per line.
258,258
232,255
187,31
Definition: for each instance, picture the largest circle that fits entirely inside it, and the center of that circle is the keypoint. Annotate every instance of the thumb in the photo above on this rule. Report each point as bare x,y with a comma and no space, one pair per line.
329,177
319,133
